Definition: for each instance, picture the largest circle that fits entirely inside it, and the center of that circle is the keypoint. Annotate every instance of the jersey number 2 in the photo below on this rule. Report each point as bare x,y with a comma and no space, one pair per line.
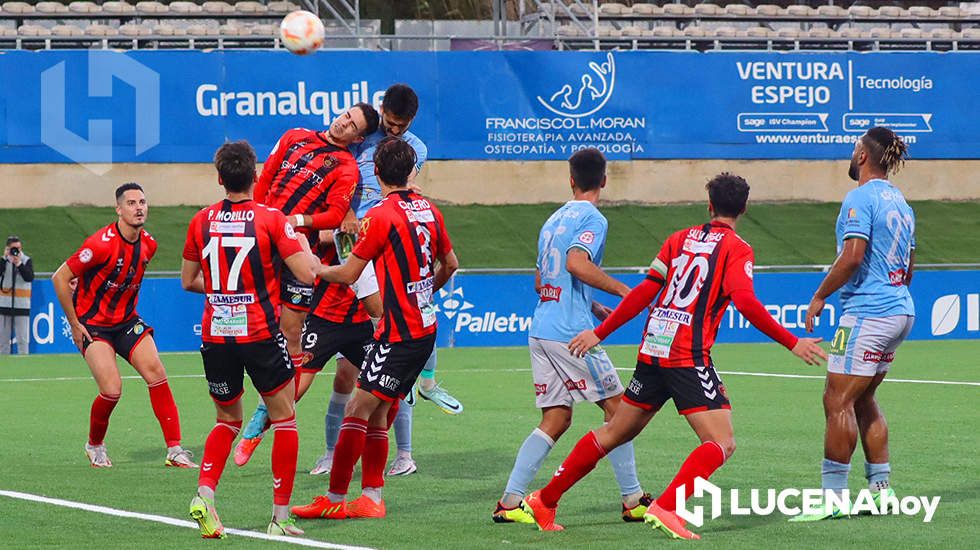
215,244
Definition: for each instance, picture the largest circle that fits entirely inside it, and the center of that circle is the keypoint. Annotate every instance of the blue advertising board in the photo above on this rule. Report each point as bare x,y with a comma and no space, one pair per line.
496,310
179,106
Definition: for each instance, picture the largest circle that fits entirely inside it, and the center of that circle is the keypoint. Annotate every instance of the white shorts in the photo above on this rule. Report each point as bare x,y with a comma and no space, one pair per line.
561,379
865,346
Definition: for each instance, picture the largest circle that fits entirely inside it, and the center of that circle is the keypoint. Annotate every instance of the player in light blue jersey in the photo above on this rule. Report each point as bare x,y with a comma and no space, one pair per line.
875,244
570,248
398,109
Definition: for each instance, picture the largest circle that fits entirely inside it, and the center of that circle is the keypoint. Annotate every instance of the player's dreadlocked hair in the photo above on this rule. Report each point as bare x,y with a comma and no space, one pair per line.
885,148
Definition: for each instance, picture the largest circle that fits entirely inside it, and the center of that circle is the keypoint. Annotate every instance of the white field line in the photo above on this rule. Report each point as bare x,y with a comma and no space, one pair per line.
725,372
172,521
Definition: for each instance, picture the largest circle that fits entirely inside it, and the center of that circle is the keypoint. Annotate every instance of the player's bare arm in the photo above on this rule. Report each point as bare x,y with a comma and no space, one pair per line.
346,273
580,265
633,303
303,264
600,311
61,280
843,269
191,277
537,281
447,265
350,225
807,349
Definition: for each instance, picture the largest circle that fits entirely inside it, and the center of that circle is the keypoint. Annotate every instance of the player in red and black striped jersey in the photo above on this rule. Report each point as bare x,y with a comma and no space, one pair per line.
406,237
700,270
109,268
232,255
311,177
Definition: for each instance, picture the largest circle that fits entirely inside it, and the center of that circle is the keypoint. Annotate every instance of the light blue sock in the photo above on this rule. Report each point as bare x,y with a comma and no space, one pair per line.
256,426
877,475
334,418
529,458
403,427
623,462
834,475
427,378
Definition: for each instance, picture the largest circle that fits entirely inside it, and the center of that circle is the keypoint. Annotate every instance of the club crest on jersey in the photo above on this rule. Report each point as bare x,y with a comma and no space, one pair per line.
550,293
587,237
365,224
748,269
85,256
290,232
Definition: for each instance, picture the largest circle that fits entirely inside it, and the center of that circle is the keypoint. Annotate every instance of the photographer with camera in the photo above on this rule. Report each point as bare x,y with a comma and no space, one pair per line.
16,274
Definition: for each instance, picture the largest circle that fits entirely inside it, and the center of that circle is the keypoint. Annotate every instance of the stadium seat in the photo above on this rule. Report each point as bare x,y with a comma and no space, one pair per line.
922,12
115,7
693,31
51,7
632,31
217,7
738,9
950,11
942,34
66,31
677,9
890,11
831,11
850,33
84,7
250,6
201,30
234,29
135,30
647,10
757,32
97,30
910,32
724,32
570,31
7,32
799,11
17,7
970,34
184,7
265,29
33,31
818,32
615,9
861,11
661,32
148,6
879,32
282,7
609,32
708,9
768,10
581,10
788,32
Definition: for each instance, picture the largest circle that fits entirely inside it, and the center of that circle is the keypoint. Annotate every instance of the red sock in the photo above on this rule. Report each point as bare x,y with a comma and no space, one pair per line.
285,447
393,412
375,457
702,462
216,451
98,420
350,446
583,458
166,411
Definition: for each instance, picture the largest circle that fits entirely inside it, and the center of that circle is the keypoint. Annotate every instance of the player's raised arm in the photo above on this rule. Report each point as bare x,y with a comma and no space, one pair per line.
580,265
843,269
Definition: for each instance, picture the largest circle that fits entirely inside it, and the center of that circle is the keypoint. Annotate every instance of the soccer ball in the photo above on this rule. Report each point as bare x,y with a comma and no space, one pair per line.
301,32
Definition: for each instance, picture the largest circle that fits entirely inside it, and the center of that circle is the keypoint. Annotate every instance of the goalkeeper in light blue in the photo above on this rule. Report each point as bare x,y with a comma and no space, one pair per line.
570,249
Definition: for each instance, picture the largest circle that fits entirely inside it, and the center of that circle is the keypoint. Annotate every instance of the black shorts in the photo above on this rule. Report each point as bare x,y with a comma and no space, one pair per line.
693,389
390,369
123,337
267,363
322,339
294,294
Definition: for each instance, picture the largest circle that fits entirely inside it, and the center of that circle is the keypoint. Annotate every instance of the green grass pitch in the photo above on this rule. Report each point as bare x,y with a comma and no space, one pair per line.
464,461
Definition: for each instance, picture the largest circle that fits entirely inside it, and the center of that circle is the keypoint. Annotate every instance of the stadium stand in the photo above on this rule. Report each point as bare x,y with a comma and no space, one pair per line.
566,24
